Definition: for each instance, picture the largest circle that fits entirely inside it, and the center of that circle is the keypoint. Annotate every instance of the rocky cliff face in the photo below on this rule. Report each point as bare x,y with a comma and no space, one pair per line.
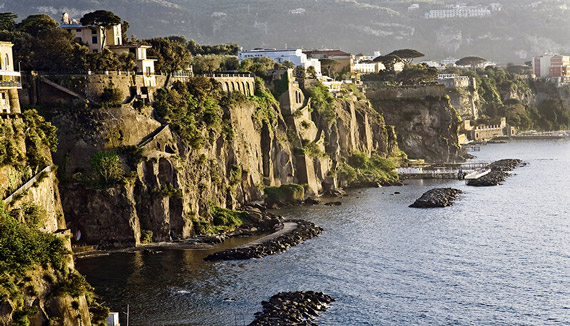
171,189
35,293
427,127
466,101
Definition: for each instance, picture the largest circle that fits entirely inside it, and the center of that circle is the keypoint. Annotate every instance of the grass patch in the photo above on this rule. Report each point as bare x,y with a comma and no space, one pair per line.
287,193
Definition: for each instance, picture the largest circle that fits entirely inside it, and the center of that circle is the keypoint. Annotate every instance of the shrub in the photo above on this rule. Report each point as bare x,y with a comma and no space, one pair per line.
146,236
111,96
287,193
107,168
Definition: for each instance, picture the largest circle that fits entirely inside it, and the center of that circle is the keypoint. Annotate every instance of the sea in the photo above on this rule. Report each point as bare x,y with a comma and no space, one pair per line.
499,256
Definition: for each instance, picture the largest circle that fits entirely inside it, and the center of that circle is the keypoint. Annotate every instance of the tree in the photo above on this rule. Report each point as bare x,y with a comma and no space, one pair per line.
172,56
37,25
417,74
470,61
207,63
328,65
107,167
312,72
389,60
7,21
407,55
101,19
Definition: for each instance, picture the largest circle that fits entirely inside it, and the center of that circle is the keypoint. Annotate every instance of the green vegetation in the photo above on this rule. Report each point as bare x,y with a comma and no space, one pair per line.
287,193
107,169
146,236
224,220
191,108
22,246
266,113
361,168
111,96
323,104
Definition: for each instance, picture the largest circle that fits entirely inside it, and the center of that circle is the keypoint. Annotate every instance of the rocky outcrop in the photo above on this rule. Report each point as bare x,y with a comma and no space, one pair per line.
303,231
427,127
32,293
172,185
437,197
498,174
292,308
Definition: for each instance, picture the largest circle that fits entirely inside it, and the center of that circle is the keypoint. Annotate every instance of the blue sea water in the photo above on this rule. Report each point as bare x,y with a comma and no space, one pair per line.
499,256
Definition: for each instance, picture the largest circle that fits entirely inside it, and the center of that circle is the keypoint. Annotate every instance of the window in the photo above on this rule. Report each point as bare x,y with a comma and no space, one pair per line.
94,39
77,30
2,98
93,31
7,61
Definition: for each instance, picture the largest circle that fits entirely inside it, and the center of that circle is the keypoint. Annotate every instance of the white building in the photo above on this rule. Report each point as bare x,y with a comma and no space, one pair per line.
10,81
458,12
95,37
368,67
145,65
294,55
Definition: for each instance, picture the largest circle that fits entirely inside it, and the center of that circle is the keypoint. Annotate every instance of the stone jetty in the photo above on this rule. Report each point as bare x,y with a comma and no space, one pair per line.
304,230
437,197
292,308
498,174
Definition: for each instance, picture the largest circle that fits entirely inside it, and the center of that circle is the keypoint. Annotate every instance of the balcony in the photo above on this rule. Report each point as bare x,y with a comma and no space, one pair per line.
10,79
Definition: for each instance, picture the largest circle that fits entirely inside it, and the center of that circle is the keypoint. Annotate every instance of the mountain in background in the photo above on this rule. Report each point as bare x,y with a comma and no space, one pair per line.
520,30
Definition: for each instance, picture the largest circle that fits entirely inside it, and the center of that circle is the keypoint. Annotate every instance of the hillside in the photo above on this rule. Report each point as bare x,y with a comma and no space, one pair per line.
522,29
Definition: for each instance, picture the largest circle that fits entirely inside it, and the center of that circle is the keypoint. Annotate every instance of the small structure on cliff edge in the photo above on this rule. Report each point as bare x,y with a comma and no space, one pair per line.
10,81
486,132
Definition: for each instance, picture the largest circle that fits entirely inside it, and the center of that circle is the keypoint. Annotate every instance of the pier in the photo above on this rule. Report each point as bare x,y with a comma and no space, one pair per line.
442,171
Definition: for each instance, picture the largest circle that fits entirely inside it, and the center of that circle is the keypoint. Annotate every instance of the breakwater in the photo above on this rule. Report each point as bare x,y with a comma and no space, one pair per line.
303,230
292,308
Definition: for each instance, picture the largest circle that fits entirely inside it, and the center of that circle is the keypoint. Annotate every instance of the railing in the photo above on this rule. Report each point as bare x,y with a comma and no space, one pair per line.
233,75
10,81
27,185
10,84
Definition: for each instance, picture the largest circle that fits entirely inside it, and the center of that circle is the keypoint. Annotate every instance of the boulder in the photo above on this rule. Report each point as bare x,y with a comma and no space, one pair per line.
437,197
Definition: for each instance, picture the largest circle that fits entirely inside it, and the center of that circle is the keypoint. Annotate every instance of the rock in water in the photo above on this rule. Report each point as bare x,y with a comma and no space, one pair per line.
498,173
437,197
292,308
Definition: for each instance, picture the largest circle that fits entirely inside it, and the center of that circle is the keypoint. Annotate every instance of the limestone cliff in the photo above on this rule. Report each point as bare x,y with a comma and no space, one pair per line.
466,101
38,282
427,126
171,187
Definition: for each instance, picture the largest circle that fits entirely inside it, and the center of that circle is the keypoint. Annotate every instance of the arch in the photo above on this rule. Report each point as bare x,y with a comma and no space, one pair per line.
243,88
233,86
227,87
248,89
238,86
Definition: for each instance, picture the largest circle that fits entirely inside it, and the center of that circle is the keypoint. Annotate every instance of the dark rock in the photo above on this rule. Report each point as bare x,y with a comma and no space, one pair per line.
292,308
437,197
304,231
333,203
312,201
498,174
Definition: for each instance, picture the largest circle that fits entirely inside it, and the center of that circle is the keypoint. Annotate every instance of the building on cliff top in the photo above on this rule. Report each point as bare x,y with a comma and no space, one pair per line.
294,55
10,81
95,37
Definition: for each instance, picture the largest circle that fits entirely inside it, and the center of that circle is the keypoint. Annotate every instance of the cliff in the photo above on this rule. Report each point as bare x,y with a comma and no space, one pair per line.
38,282
177,172
427,126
